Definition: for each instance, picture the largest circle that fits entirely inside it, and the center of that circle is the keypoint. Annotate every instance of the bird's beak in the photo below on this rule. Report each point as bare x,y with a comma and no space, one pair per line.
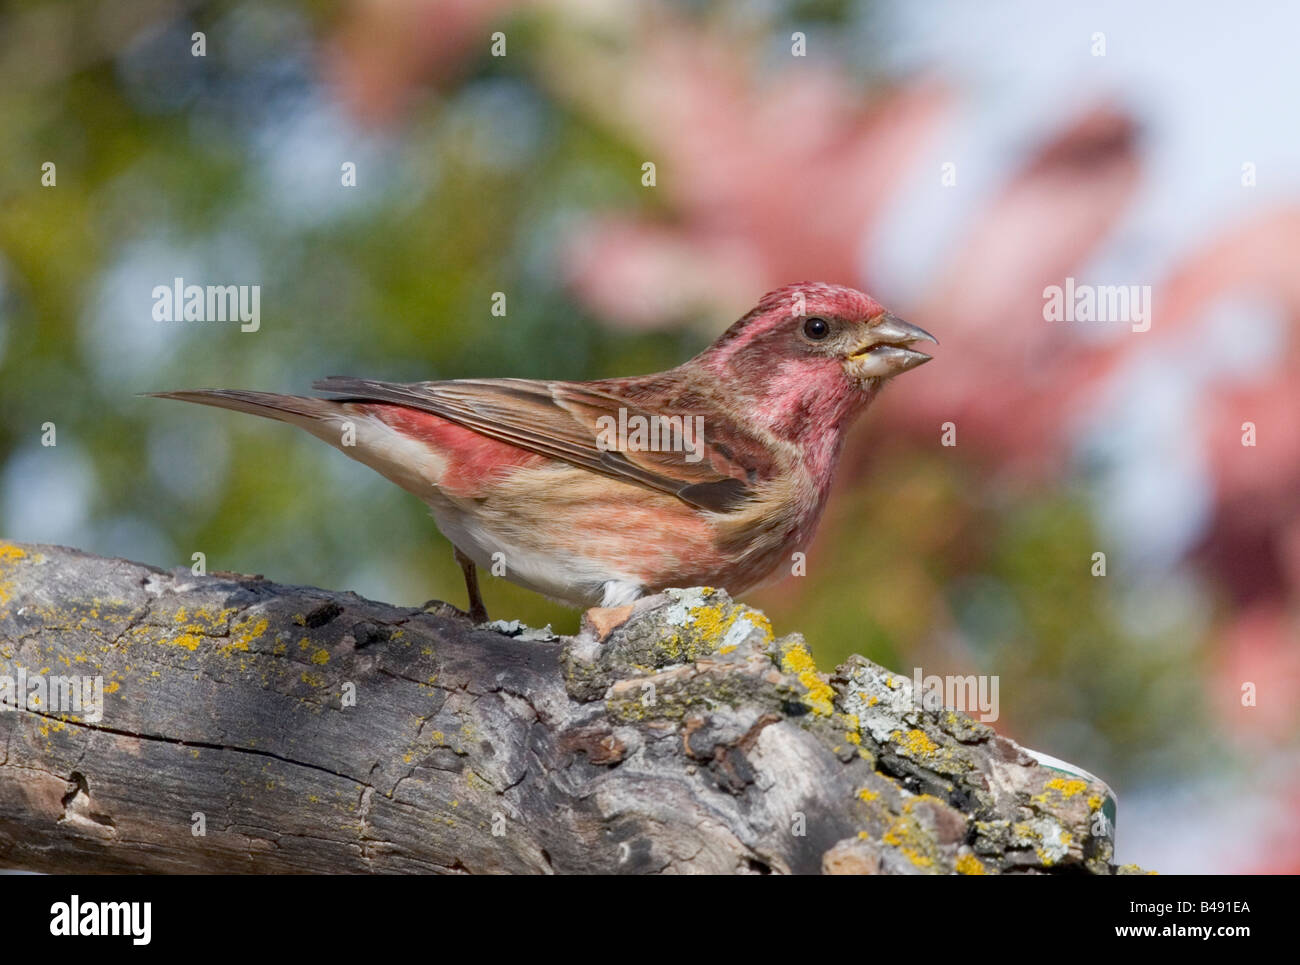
885,352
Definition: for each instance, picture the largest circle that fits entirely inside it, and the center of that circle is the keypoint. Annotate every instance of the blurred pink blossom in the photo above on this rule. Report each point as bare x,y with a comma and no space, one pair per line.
765,184
383,49
1259,649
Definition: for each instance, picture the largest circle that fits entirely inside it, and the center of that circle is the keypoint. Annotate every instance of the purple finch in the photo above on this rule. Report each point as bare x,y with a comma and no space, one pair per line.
595,493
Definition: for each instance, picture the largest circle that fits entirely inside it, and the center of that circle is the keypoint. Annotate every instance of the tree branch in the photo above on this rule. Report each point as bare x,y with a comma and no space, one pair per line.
253,727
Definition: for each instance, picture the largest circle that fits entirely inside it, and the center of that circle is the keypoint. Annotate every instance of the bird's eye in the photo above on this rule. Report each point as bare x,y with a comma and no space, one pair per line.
816,328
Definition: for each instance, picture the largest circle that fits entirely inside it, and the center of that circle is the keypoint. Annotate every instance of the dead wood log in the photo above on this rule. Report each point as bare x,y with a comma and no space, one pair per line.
252,727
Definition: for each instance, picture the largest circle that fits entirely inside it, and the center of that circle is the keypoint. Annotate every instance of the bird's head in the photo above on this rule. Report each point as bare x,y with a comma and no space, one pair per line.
814,349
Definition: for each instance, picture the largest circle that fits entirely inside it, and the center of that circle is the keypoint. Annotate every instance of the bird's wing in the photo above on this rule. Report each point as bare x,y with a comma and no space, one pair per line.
571,421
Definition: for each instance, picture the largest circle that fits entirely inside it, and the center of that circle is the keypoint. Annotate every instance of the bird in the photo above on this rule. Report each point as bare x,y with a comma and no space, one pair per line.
597,493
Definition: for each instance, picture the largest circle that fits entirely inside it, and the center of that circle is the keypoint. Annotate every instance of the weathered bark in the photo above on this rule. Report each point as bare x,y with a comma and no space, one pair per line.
676,735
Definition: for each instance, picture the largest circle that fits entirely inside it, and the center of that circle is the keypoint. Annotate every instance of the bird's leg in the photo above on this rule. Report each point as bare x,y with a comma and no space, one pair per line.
477,611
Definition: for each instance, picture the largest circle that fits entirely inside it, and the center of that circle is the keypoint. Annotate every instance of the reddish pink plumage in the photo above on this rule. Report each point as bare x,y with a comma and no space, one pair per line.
473,461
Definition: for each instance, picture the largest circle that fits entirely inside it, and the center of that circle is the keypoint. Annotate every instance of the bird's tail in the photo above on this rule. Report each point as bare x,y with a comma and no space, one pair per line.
320,417
346,425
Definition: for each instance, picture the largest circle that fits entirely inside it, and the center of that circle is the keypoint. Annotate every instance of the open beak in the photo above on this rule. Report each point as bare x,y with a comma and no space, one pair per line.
886,352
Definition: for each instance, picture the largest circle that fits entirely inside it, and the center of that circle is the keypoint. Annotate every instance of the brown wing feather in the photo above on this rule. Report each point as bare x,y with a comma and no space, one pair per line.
559,420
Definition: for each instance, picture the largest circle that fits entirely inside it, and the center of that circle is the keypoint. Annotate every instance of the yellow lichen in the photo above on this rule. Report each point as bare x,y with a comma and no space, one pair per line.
709,625
320,657
853,733
915,742
1022,832
711,621
1063,786
968,864
912,802
243,633
907,836
8,551
1068,788
9,555
204,622
820,696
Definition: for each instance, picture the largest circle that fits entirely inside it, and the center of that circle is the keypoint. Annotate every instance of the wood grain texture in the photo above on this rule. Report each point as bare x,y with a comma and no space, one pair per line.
311,731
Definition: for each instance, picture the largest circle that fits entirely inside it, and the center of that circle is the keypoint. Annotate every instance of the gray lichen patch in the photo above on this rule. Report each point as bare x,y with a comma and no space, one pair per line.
675,628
